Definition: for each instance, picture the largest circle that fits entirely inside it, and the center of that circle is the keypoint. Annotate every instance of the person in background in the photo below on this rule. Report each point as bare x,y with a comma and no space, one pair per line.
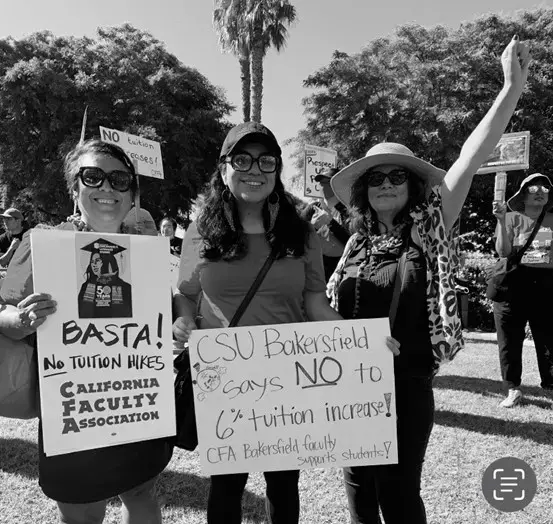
329,218
168,228
10,240
404,209
534,281
101,178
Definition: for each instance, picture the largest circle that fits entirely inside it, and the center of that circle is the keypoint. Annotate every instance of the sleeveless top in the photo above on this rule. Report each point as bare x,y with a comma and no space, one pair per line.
375,296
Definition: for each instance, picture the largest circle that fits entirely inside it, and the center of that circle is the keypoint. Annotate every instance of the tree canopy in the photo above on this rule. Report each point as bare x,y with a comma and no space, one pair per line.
130,82
428,89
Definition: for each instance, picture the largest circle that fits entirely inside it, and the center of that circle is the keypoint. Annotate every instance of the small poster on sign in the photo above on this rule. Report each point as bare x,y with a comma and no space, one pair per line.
105,357
294,396
511,153
144,153
316,160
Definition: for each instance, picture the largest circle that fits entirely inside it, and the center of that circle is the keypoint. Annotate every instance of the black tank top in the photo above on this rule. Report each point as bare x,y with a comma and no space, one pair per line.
375,297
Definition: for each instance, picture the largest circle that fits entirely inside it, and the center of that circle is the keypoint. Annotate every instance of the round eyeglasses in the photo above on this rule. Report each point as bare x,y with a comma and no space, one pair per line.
535,188
244,162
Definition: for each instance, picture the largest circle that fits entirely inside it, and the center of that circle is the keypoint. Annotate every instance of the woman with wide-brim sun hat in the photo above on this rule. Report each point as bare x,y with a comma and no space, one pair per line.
534,280
400,204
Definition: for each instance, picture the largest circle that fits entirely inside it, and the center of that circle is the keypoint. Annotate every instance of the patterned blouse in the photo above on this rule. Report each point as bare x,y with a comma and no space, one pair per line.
438,247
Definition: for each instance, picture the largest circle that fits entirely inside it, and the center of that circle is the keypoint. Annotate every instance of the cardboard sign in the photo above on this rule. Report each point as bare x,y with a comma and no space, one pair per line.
145,154
294,396
511,153
316,160
105,357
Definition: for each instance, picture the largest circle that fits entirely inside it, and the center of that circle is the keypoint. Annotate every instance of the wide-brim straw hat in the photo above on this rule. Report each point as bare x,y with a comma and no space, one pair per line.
385,153
516,202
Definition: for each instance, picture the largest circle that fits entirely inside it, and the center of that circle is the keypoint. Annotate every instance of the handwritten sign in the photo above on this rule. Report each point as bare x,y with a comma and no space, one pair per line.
105,356
294,396
146,154
511,153
317,159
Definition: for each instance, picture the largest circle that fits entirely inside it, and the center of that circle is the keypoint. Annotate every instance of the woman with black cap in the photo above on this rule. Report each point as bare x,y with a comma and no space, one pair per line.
247,214
534,279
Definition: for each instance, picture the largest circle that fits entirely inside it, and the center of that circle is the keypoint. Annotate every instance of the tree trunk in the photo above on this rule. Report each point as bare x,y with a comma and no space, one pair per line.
257,74
246,81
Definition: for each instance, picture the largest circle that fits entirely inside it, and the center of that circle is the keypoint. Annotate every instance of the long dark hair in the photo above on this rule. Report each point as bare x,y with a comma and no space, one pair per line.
107,261
289,234
364,219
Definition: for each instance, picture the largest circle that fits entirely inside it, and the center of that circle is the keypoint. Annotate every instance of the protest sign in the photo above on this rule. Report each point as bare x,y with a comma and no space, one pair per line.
511,153
145,154
294,396
105,356
316,160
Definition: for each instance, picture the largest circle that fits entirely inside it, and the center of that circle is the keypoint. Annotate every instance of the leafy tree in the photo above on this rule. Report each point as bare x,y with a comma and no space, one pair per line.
129,82
428,89
248,29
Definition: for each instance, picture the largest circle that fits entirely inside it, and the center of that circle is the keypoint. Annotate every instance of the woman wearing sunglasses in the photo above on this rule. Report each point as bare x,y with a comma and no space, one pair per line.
402,212
101,179
246,214
534,279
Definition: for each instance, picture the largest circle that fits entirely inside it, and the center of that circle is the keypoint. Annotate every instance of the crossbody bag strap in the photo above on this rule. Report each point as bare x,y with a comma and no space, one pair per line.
398,281
256,283
518,257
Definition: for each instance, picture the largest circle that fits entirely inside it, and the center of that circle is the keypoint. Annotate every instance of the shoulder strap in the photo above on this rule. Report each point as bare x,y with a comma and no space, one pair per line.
537,225
256,283
398,281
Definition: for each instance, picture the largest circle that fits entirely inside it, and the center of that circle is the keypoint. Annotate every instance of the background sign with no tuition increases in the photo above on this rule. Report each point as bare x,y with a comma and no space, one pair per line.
294,396
145,153
105,357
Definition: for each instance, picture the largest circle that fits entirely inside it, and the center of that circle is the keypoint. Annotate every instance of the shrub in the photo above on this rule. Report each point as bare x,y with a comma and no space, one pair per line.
471,275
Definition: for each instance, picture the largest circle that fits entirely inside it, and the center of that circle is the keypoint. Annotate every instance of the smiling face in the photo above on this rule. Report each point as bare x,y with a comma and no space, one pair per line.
102,208
167,229
387,197
252,186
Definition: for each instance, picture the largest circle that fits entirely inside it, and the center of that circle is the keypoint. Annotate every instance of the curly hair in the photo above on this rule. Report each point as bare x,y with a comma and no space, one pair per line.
364,219
290,233
94,145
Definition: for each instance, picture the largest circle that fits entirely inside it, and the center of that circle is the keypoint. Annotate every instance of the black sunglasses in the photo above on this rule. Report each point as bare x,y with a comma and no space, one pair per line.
244,162
396,177
94,177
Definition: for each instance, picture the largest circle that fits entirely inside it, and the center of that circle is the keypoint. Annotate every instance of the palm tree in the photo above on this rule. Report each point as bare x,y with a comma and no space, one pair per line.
248,29
230,25
267,21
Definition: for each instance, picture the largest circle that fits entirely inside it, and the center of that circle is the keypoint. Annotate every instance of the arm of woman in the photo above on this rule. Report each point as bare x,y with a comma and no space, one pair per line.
483,139
318,308
503,233
21,310
188,287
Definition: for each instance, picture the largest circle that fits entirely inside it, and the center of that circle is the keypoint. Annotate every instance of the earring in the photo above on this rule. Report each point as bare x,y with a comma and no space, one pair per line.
227,208
273,205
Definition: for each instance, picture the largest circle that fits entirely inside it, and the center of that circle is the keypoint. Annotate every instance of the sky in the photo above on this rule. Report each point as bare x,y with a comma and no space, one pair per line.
185,27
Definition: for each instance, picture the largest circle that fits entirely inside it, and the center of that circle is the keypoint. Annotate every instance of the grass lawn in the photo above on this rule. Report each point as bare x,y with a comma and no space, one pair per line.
471,431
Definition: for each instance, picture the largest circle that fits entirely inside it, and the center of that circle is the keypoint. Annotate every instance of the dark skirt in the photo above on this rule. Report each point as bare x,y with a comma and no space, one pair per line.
99,474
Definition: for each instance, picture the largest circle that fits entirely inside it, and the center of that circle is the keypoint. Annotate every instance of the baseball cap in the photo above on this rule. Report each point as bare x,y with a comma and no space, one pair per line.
12,213
327,174
254,131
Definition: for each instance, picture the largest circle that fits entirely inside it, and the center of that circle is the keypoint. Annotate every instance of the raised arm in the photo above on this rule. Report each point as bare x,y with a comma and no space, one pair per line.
515,60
